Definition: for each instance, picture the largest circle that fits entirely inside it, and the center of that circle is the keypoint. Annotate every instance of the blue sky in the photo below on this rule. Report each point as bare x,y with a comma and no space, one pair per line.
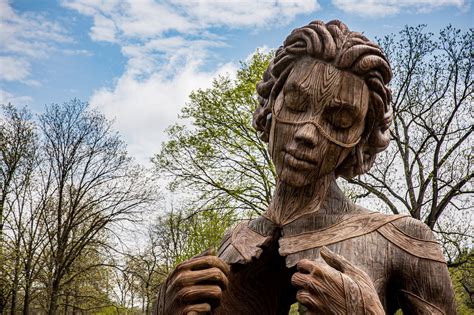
138,60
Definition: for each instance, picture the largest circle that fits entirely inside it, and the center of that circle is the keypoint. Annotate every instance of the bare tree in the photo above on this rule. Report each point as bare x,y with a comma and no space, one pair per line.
427,170
90,184
146,266
18,144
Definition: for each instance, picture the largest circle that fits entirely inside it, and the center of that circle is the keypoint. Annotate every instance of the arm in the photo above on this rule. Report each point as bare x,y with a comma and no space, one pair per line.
427,289
425,286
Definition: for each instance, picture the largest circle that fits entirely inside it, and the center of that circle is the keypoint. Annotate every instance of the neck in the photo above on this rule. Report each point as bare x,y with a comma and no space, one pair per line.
289,202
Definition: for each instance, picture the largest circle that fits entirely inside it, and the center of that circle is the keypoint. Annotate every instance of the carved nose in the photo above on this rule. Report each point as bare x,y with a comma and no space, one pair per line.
306,135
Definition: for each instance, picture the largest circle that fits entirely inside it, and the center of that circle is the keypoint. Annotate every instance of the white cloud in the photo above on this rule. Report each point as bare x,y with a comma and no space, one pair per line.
143,109
147,19
129,19
244,13
103,30
7,97
390,7
13,69
16,69
77,52
23,38
28,34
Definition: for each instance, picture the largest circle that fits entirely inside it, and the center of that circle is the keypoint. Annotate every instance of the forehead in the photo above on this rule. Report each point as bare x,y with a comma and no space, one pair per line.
323,83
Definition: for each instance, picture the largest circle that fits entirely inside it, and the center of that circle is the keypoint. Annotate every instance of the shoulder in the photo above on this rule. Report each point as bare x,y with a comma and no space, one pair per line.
414,238
414,228
246,241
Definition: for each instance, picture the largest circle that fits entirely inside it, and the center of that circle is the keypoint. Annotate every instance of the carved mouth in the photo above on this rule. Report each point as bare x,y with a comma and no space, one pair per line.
297,161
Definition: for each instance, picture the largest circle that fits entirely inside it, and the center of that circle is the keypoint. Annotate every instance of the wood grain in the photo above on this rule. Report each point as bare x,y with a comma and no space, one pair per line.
324,109
416,247
350,227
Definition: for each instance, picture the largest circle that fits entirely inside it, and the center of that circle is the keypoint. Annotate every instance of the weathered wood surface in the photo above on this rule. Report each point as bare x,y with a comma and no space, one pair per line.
325,112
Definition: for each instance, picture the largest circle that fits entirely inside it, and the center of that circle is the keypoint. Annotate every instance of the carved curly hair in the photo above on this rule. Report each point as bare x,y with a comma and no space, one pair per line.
335,44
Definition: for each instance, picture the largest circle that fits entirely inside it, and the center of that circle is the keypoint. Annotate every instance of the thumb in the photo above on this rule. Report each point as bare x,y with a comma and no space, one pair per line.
334,260
208,252
341,264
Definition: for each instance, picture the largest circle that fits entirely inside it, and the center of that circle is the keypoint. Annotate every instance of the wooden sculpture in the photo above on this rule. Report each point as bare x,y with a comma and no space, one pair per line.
325,112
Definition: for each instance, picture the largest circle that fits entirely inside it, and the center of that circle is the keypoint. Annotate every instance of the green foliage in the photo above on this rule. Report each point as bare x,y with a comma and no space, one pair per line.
463,282
183,234
294,309
220,158
205,231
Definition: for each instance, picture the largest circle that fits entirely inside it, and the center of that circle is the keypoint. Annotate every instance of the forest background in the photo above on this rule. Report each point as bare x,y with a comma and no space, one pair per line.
85,228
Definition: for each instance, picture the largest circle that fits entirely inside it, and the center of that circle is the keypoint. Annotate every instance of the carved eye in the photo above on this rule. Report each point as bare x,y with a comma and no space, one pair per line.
341,118
295,101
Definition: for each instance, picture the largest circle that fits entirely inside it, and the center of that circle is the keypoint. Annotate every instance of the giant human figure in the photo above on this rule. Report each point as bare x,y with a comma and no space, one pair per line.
325,112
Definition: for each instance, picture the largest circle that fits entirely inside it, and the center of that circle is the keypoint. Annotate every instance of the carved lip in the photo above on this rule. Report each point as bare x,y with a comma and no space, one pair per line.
297,160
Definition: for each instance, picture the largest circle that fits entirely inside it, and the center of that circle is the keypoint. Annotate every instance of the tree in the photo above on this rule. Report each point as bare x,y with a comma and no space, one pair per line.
181,234
18,146
427,170
66,187
220,159
90,184
462,274
147,267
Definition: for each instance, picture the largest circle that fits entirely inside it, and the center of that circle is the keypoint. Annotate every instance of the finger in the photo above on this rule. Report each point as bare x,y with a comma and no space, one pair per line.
207,276
196,309
310,301
199,293
323,271
334,260
340,263
323,279
300,280
204,262
305,266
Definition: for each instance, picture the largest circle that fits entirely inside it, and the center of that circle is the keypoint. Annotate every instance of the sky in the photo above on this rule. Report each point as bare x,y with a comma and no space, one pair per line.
137,61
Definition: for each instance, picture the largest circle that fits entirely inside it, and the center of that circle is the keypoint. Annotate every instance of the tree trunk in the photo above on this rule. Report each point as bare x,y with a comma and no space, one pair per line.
3,281
28,282
15,283
26,302
53,297
3,292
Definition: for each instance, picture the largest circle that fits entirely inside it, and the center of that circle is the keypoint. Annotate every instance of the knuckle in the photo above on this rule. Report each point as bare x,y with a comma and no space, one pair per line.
184,294
179,280
216,274
198,308
298,279
217,262
215,293
181,266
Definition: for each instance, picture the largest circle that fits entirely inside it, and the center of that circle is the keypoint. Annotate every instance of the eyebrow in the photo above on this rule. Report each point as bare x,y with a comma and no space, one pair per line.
335,103
293,86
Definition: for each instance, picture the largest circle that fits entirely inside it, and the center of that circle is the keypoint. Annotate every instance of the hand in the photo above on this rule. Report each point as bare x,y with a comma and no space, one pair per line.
337,287
196,286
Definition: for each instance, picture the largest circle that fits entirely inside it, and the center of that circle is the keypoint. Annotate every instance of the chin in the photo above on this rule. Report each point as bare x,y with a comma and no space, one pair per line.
296,178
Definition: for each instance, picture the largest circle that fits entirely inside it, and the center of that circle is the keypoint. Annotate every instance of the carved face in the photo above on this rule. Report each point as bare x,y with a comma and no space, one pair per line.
318,107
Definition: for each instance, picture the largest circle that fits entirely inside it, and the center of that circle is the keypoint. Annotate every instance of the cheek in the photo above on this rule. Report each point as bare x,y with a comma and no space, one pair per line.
333,156
336,154
279,136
